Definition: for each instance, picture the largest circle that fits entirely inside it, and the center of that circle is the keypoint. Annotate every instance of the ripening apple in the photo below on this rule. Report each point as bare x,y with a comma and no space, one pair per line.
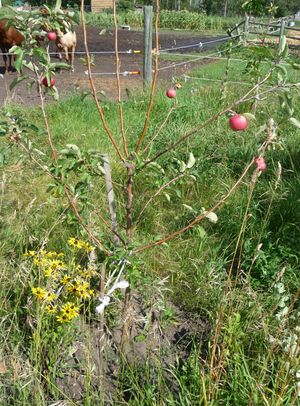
261,164
45,82
52,36
238,122
171,93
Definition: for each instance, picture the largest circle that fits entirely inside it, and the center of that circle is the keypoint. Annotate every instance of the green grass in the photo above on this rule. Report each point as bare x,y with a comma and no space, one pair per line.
252,370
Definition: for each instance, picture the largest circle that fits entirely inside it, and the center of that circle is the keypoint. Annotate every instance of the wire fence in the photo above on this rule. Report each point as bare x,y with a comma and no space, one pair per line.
173,65
192,58
198,45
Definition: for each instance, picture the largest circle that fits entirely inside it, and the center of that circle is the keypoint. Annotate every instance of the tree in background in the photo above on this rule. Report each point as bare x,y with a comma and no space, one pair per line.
212,7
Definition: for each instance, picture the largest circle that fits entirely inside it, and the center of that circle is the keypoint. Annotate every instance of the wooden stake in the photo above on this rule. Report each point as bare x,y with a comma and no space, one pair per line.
111,199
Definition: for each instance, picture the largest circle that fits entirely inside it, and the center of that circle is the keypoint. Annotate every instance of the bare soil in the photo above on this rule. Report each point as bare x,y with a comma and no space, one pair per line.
105,63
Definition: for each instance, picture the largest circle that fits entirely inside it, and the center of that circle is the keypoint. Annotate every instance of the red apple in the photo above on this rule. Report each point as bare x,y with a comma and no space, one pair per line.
45,82
238,122
171,93
52,36
261,164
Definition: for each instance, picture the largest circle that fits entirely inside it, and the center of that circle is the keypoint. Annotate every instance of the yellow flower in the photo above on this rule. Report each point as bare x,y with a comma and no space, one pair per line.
39,293
82,290
48,272
56,264
49,296
50,254
65,280
91,292
70,310
29,254
63,318
73,242
79,244
88,273
87,246
72,288
51,309
40,261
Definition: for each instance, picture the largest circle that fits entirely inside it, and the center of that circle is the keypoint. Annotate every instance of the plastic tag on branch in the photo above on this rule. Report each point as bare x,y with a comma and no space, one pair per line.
105,302
119,285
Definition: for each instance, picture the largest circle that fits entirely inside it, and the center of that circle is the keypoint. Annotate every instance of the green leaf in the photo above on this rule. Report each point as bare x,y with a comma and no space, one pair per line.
182,167
19,57
28,65
59,65
249,116
295,122
282,45
167,196
189,208
74,148
16,81
140,338
282,69
201,232
57,5
191,161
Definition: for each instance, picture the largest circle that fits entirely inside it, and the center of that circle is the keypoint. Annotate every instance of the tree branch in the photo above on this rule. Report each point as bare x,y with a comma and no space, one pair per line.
153,87
118,80
200,217
99,108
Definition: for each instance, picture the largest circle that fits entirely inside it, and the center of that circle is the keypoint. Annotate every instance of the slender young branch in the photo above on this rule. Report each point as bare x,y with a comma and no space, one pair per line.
98,214
160,128
66,190
80,221
271,135
42,99
153,87
118,80
210,120
200,217
156,194
71,201
94,91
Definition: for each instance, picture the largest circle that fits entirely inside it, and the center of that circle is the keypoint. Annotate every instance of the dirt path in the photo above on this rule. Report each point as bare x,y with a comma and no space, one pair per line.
105,63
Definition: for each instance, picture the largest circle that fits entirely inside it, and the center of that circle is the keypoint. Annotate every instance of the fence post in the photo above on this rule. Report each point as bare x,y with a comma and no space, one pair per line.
281,32
147,68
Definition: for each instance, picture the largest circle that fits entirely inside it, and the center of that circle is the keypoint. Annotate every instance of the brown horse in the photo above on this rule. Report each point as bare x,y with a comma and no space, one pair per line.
8,38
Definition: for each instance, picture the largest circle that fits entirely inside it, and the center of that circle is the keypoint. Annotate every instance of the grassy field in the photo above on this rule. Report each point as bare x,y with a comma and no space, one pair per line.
229,289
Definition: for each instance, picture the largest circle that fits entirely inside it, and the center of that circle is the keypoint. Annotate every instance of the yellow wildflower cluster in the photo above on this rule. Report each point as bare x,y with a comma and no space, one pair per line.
81,289
68,312
63,283
79,244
